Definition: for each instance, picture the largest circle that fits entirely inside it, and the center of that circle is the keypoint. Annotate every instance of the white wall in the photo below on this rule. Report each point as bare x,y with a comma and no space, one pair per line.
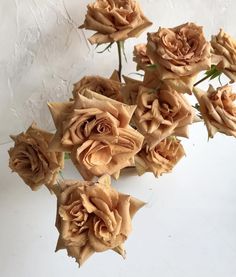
42,52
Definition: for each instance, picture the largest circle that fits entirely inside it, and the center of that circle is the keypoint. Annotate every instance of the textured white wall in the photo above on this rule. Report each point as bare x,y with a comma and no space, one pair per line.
42,52
188,227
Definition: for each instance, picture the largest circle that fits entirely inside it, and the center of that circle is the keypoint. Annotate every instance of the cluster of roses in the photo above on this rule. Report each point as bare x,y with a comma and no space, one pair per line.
109,125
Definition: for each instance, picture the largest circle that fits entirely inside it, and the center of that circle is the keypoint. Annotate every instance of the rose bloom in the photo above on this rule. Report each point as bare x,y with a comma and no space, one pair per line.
93,217
130,90
161,159
96,130
140,56
107,87
218,109
179,53
131,87
161,113
224,54
106,155
114,20
31,159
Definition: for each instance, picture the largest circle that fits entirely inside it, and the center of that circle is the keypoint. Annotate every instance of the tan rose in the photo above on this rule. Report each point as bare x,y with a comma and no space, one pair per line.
31,159
93,217
131,87
114,20
162,113
218,109
96,130
130,90
161,159
107,87
224,54
140,56
179,53
106,155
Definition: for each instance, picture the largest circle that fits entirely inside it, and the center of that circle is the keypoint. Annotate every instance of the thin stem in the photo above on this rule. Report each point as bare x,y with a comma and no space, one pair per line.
120,58
202,80
62,177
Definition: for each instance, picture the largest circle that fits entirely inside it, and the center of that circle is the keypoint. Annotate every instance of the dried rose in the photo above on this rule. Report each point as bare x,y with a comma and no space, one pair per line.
161,159
96,130
93,217
224,54
107,155
140,56
114,20
218,109
31,159
131,87
130,90
179,54
162,113
107,87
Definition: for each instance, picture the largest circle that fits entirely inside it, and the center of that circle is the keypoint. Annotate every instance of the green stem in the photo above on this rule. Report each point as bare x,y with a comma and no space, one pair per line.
120,58
202,80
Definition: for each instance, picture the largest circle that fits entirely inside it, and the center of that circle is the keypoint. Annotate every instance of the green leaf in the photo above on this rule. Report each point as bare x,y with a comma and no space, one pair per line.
213,72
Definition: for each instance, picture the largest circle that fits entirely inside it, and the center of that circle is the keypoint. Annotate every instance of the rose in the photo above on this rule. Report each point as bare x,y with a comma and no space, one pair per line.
224,54
114,20
140,56
107,87
130,90
161,113
179,53
218,109
93,217
96,130
89,115
131,87
161,159
106,155
31,159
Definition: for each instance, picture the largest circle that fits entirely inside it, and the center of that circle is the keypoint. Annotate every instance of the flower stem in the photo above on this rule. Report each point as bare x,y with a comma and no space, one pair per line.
202,80
119,47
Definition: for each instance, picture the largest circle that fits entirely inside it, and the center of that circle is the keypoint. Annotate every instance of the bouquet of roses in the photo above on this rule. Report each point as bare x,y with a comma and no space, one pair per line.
110,124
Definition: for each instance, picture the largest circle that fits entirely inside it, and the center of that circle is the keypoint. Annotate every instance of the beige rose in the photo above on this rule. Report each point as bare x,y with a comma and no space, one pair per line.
162,113
107,155
218,109
93,217
179,53
107,87
114,20
131,87
31,159
140,56
224,54
96,130
130,90
161,159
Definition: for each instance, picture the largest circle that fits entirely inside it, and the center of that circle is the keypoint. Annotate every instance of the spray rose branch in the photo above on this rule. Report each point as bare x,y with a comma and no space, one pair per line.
210,74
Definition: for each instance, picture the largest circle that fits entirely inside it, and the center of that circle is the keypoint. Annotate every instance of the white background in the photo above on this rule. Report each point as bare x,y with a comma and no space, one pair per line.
187,228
